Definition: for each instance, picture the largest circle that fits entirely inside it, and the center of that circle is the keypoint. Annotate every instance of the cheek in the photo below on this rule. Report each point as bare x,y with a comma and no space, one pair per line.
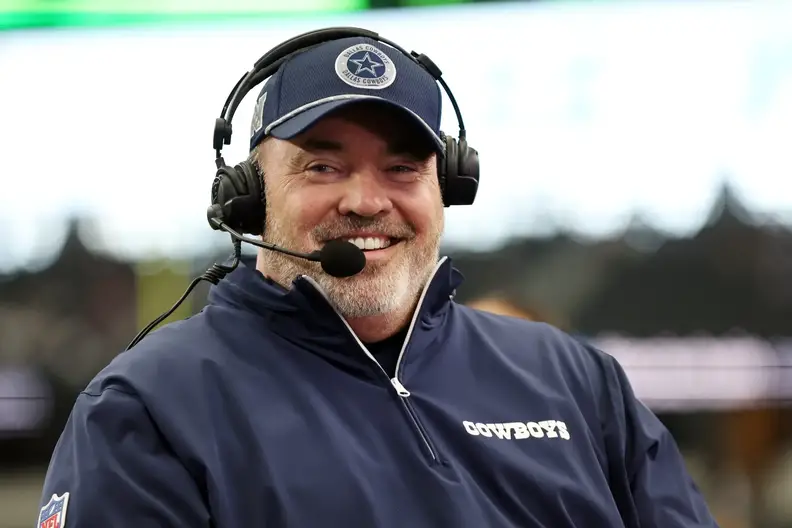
305,210
424,210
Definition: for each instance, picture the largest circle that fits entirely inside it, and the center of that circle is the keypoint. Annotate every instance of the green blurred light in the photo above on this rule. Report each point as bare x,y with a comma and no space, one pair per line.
425,3
54,13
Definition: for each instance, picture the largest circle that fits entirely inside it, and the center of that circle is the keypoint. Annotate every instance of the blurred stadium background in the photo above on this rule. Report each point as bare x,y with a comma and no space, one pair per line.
636,191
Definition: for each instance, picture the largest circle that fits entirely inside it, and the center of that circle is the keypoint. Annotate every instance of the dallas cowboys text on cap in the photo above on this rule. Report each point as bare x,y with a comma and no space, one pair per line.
356,67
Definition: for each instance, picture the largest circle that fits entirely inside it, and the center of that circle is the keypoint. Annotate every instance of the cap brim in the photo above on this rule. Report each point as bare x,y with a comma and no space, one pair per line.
302,121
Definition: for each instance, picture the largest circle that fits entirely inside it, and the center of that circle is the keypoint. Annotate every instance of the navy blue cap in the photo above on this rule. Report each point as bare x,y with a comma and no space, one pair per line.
328,76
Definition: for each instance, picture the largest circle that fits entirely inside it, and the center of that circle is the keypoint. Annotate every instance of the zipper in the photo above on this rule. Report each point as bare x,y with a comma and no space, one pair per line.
397,383
401,390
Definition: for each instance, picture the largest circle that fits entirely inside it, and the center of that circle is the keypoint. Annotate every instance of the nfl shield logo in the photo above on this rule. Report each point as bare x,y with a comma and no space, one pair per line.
53,514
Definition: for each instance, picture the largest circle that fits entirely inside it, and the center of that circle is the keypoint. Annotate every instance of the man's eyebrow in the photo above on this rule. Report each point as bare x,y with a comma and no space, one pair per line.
409,149
321,145
313,146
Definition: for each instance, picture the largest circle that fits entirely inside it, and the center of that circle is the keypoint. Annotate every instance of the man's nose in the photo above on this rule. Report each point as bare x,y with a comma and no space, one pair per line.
365,195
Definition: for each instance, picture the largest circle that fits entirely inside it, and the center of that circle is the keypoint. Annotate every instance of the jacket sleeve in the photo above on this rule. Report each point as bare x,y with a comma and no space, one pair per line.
648,473
118,471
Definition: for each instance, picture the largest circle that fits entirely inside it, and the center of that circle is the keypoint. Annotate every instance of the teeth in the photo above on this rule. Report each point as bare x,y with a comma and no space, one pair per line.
370,242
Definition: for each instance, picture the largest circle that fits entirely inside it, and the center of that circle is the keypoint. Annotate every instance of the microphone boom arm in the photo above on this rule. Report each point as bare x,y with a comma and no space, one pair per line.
340,259
314,256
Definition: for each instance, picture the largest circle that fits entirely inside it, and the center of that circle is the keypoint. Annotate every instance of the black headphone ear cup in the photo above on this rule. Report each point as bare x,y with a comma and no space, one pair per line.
467,181
462,173
252,179
252,212
220,186
238,190
216,187
468,161
226,185
449,164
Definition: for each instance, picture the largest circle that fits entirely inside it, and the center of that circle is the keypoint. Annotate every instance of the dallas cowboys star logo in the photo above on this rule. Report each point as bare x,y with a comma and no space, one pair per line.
366,64
365,67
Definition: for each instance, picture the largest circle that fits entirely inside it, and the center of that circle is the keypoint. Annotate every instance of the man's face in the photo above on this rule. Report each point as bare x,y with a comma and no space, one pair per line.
361,174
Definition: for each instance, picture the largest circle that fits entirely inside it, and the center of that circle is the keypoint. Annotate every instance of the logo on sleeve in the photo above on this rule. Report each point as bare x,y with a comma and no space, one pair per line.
53,514
519,430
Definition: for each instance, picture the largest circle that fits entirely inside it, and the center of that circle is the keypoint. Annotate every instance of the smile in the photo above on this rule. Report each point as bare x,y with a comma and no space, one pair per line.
371,243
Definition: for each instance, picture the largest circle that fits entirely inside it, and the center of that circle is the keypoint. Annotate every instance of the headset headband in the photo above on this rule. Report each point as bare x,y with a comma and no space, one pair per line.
269,63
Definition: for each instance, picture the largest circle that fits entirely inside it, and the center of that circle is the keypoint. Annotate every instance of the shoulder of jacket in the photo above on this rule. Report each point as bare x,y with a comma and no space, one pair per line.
158,357
533,334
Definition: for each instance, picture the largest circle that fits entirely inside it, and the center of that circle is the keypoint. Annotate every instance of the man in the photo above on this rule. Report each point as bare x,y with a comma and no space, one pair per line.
298,399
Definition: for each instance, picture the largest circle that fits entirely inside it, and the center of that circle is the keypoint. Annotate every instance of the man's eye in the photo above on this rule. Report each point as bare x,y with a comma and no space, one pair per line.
320,168
403,174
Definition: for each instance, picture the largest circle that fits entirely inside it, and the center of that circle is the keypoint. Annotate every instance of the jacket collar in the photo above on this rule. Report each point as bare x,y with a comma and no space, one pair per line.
303,314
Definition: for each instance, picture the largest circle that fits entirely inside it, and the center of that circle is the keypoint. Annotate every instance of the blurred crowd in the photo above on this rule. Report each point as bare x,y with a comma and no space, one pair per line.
63,323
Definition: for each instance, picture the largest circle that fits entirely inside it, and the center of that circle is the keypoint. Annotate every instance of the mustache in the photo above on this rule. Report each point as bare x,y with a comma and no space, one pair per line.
350,224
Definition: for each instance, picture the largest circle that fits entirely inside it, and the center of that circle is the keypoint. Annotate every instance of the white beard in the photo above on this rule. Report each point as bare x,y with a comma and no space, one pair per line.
371,292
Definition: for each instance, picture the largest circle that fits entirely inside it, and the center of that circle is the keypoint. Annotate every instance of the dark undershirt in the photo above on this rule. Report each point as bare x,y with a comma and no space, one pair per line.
387,351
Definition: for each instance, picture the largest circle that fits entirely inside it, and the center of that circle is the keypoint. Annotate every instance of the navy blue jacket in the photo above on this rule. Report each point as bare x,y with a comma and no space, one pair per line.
265,410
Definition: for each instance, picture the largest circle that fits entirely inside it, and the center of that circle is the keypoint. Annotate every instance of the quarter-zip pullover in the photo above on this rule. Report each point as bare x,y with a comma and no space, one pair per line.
266,410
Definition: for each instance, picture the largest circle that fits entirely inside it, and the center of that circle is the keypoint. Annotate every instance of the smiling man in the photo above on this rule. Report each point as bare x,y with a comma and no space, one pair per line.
366,173
300,399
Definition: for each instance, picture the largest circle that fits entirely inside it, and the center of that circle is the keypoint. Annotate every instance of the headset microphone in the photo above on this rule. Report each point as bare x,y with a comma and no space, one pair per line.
342,259
338,257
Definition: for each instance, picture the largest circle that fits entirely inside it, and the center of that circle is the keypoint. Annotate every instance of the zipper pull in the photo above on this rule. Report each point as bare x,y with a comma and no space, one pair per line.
400,388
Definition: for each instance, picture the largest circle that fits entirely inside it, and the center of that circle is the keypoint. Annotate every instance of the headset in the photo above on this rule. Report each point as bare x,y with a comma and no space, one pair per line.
238,204
238,191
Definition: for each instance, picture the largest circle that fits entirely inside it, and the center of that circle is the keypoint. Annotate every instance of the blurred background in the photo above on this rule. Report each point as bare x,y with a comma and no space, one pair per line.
636,192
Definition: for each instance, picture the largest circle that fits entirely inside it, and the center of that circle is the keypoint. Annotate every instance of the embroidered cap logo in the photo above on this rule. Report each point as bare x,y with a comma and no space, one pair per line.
365,66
